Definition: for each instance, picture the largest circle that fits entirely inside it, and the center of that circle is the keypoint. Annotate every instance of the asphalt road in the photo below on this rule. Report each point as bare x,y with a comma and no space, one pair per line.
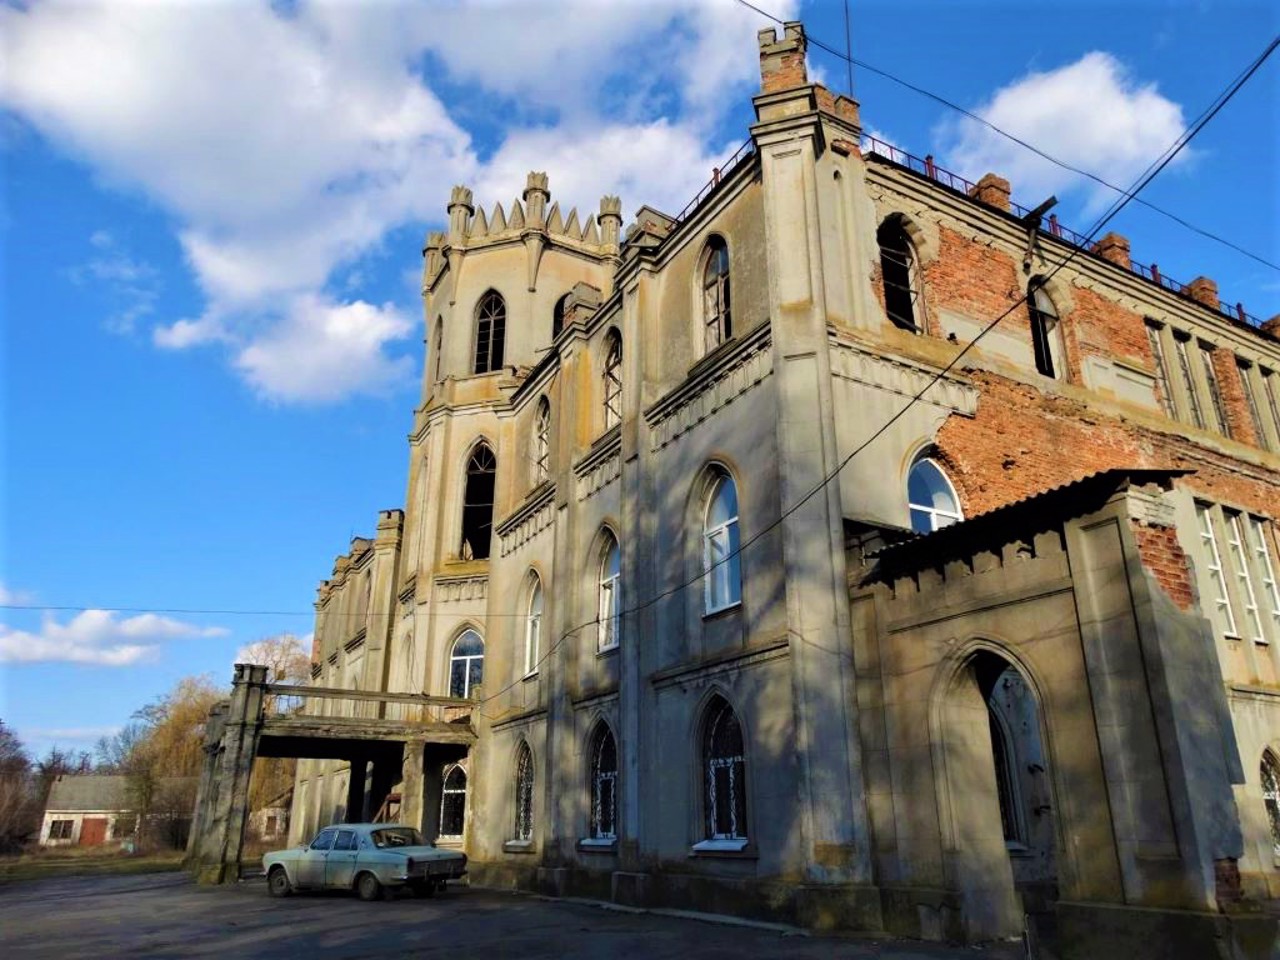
165,915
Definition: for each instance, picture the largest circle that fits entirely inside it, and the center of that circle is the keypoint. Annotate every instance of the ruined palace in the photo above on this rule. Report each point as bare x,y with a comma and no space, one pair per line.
750,575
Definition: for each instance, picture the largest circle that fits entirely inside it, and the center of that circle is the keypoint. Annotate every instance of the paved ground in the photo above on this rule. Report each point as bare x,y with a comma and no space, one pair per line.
165,915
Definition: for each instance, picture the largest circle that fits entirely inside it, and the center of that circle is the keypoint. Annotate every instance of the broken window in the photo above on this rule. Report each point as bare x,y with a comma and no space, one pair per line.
604,784
533,628
453,803
898,272
610,607
491,332
1046,331
61,829
557,316
716,314
542,441
721,562
1271,797
1162,372
477,504
725,771
466,664
612,380
524,793
1180,341
931,497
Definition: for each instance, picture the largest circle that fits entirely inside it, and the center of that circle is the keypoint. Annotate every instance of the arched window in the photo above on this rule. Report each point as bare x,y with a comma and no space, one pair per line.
725,771
453,803
557,316
524,793
721,562
1046,330
610,607
932,498
604,784
477,504
437,347
612,379
542,441
716,315
899,273
491,332
466,664
533,628
1271,796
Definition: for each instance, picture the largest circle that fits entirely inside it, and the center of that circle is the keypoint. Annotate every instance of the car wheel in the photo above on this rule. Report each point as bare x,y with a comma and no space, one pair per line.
278,884
368,887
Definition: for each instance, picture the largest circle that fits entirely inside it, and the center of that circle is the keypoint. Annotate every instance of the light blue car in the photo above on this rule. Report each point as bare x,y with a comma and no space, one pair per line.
374,859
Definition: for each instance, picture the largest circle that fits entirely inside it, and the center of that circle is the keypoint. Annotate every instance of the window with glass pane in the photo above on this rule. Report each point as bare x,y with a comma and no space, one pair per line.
1244,582
1223,612
1215,394
716,315
453,803
610,594
604,785
466,664
1046,331
1266,569
491,332
1162,372
613,381
931,497
898,273
721,561
1271,797
1188,382
533,629
524,793
725,770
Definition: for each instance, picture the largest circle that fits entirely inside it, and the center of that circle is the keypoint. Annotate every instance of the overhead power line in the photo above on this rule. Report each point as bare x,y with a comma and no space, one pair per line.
978,118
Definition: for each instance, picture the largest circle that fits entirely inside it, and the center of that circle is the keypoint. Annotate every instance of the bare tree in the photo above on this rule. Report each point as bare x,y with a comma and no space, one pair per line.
287,661
18,810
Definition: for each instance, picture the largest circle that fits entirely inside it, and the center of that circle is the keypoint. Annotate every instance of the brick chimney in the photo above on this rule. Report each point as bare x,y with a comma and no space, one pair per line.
1114,247
1203,290
993,191
1272,327
782,61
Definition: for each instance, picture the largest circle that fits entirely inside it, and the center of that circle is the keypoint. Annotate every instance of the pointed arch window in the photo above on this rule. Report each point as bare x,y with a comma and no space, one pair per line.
453,803
466,665
477,504
724,772
557,316
542,441
899,273
1002,755
604,784
1271,797
1046,331
610,597
533,628
524,793
721,561
491,332
612,380
437,348
932,499
717,317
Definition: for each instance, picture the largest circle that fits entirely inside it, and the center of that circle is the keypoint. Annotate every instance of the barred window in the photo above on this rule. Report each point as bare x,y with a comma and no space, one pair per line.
1162,370
725,769
557,316
1215,394
604,784
491,332
542,441
899,274
612,380
610,598
466,664
453,803
1180,341
716,312
721,561
524,793
1271,797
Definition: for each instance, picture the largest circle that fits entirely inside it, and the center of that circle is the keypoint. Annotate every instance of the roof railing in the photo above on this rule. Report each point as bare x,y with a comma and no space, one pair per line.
717,175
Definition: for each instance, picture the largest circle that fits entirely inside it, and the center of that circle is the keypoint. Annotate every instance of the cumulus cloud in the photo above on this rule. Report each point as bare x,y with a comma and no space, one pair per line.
97,637
1092,114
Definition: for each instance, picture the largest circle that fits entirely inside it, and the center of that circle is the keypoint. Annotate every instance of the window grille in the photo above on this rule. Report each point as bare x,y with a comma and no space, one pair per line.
1162,371
491,332
613,381
1240,565
524,793
610,594
1215,394
1221,598
716,311
604,785
542,441
898,273
725,767
721,561
533,629
1271,797
466,664
477,506
931,498
1188,382
1003,755
453,803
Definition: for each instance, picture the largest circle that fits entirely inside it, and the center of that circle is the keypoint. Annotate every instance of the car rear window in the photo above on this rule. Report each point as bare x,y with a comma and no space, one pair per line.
396,837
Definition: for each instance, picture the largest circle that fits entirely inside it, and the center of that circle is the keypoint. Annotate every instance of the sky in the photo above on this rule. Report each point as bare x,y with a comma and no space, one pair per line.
211,231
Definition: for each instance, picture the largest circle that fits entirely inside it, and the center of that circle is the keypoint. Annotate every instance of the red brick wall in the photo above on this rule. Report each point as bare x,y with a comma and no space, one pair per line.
1164,558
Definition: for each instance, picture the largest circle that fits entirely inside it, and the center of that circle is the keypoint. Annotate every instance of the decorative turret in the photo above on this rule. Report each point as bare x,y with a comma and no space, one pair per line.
610,222
536,196
431,259
460,211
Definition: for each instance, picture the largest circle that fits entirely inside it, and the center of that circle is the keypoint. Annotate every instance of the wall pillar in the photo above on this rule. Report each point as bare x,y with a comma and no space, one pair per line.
411,791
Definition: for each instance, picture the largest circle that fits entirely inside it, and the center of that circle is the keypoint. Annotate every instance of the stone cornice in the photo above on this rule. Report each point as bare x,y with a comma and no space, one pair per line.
863,364
701,669
528,520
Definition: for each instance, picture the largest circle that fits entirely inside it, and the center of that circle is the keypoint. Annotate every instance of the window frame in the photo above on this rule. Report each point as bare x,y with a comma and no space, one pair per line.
599,777
612,380
715,293
473,457
1269,777
542,441
734,768
609,585
1264,561
1216,571
1048,343
905,261
731,532
490,333
953,516
1220,422
533,626
524,798
447,791
468,660
62,829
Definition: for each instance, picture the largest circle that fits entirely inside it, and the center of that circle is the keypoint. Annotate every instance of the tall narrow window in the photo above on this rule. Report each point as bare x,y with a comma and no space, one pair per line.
557,316
931,498
610,607
1266,570
1271,390
1223,612
477,504
533,628
721,562
524,793
1002,754
453,803
542,441
1271,797
1180,342
716,314
466,665
612,380
898,271
1215,394
1046,331
1245,370
491,332
1162,370
1244,582
437,348
604,784
725,772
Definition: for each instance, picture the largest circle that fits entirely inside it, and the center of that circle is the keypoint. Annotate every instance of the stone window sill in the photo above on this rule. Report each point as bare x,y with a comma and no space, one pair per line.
518,846
740,849
597,845
719,612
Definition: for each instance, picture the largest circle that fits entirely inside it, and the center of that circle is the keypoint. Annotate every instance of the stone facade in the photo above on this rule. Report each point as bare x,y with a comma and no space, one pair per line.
1059,707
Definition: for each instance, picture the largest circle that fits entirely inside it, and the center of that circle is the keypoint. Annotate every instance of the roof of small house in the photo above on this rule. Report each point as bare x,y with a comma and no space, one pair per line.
98,791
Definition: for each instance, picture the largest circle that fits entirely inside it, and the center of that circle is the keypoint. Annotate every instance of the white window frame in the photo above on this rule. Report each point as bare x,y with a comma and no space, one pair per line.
1257,536
1217,572
533,628
465,658
1238,553
446,790
727,536
934,513
610,598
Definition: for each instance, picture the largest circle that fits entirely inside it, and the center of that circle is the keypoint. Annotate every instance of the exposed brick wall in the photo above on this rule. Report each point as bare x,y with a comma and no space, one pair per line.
973,279
1163,557
1231,389
1226,881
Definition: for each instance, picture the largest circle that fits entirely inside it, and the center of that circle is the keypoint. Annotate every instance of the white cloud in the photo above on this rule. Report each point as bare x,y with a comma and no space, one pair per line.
1091,114
97,637
132,285
12,597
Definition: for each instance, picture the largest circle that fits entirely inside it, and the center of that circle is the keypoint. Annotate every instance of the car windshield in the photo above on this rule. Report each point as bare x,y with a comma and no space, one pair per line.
397,837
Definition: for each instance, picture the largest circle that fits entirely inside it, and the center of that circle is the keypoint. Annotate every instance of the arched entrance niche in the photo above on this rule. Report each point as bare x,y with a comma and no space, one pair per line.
995,801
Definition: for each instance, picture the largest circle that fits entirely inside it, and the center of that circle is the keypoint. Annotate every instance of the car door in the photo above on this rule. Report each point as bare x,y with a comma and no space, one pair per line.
340,866
311,863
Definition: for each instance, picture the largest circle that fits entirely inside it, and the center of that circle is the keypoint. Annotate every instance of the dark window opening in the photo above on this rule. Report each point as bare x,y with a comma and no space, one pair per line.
491,332
557,316
716,311
61,829
453,802
725,769
898,271
477,504
1005,789
1044,323
524,793
604,785
1271,797
613,380
437,345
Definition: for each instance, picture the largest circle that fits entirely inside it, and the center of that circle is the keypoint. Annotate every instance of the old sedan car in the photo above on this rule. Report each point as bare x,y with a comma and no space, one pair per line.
371,858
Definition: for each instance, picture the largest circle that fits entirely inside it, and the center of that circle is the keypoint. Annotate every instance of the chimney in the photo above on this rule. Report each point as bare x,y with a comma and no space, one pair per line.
1203,290
782,61
993,191
1114,247
1272,327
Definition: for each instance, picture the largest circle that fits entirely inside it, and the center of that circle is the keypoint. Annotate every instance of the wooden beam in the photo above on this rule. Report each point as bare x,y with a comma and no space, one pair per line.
335,693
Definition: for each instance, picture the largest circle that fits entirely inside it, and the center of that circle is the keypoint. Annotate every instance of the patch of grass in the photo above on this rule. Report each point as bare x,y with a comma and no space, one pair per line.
72,863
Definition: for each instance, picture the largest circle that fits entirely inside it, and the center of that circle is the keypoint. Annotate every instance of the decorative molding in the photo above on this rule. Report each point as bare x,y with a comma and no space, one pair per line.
601,465
530,519
700,670
357,640
906,379
455,589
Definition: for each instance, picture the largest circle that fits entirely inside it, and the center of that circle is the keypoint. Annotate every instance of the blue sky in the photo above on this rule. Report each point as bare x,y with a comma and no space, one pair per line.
213,215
